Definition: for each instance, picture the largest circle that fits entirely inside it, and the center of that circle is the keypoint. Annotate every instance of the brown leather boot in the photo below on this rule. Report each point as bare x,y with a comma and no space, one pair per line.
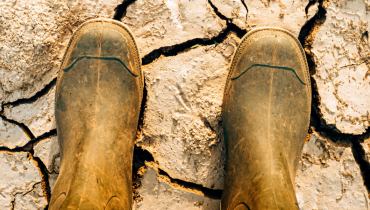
266,113
98,100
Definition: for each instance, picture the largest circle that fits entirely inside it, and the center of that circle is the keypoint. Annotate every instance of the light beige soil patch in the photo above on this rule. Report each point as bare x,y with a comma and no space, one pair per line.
329,178
341,52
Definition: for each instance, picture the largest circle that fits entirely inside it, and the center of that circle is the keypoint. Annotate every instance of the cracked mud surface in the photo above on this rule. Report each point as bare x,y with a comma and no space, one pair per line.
341,52
156,187
328,177
157,23
20,182
182,121
186,47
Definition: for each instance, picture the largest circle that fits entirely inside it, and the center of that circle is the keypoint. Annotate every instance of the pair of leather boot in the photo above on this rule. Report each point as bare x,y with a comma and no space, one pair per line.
99,90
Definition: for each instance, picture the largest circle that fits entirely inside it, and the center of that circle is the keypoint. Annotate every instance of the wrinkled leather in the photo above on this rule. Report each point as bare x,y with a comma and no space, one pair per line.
266,112
98,98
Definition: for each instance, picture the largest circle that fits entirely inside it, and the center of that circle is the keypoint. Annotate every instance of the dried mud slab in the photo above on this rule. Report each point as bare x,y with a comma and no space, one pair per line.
20,182
182,121
37,116
157,192
286,14
366,152
233,10
34,199
49,153
158,23
52,179
33,37
341,52
329,178
11,135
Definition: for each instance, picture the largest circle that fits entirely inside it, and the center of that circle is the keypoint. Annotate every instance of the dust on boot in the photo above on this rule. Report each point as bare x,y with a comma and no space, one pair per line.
98,98
266,113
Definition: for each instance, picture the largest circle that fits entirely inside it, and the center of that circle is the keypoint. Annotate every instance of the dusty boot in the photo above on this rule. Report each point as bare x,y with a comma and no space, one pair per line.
98,98
266,113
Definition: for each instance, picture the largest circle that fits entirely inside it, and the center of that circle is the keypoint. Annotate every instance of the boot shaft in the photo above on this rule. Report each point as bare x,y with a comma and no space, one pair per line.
98,100
266,114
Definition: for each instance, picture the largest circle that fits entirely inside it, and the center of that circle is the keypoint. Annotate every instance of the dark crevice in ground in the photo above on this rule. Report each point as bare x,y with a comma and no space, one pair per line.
144,101
246,7
186,46
121,10
361,159
140,157
29,146
12,202
209,193
25,129
39,164
229,22
34,98
310,4
44,177
306,38
308,32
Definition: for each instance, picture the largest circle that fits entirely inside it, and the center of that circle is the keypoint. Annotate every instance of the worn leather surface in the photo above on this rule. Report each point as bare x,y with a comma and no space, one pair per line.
98,100
266,112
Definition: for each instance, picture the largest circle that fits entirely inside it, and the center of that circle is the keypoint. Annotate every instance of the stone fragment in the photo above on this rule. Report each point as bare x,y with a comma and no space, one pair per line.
34,199
49,153
329,178
341,52
182,121
19,177
157,192
37,116
286,14
11,135
158,23
33,37
366,148
52,179
233,10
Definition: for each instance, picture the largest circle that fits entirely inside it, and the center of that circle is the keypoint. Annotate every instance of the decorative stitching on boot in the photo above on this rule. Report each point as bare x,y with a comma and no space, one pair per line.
244,204
276,67
100,58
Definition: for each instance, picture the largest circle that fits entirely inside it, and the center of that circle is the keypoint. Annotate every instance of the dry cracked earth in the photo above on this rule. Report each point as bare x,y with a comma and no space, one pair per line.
186,47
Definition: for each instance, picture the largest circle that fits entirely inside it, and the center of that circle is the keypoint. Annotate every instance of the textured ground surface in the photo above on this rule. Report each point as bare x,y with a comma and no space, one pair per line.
186,47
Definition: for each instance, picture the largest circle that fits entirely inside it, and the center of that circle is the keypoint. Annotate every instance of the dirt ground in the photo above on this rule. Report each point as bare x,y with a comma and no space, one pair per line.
186,47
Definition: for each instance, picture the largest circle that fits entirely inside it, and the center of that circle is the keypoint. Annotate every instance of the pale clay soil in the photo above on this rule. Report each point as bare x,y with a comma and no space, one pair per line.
186,48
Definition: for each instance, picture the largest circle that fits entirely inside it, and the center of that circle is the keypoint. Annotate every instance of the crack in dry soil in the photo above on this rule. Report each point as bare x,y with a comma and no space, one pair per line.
34,98
12,203
121,10
209,193
187,45
306,37
29,148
